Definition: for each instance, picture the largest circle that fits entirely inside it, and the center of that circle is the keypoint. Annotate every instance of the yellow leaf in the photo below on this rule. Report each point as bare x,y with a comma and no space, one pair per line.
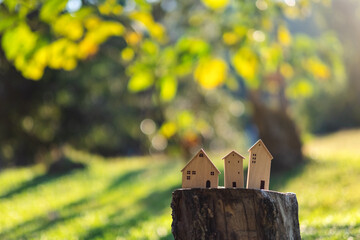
51,9
286,70
284,36
318,69
97,35
185,119
133,38
42,56
211,72
150,47
20,62
156,30
168,129
168,87
216,4
68,26
271,56
246,65
127,54
141,81
230,38
33,70
33,73
61,54
301,88
143,17
19,40
69,64
110,7
92,22
87,47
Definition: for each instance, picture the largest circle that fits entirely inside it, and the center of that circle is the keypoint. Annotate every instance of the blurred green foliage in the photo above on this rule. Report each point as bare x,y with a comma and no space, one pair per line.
330,109
155,49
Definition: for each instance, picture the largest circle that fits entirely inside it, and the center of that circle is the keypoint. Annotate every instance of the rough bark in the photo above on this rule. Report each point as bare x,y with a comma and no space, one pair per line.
226,213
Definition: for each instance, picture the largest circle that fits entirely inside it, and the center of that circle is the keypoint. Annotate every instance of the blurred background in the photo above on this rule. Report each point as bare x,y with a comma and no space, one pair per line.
103,102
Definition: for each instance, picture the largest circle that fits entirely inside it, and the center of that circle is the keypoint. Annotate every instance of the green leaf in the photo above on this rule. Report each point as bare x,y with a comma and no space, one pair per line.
51,9
7,21
141,81
19,41
168,87
300,88
11,4
246,64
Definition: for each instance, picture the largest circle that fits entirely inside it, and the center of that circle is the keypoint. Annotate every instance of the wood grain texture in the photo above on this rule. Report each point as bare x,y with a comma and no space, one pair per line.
229,213
233,170
259,166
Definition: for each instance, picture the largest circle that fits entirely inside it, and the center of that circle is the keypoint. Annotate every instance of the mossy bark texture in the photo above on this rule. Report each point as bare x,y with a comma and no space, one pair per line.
225,213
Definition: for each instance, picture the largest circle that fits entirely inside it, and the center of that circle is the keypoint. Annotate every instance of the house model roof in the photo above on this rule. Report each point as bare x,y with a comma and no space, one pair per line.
207,157
262,144
233,152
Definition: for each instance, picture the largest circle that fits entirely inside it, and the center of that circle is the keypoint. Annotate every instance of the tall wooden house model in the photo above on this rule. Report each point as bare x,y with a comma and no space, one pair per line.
259,166
233,170
200,172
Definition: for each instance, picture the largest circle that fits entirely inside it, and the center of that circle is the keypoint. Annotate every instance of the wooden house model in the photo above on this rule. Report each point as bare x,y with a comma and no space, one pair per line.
200,172
259,166
233,170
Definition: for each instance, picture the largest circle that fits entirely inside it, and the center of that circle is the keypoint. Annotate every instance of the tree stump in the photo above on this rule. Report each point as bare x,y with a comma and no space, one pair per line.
229,213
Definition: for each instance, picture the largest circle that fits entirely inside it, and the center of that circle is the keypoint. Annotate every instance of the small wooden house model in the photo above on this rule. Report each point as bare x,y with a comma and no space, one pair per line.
233,170
200,172
259,166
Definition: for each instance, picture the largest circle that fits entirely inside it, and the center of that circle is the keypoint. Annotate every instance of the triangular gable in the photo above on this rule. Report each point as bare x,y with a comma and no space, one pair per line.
201,151
262,143
235,152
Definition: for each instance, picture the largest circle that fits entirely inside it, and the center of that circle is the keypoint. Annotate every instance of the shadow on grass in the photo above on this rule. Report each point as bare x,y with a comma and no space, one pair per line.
279,179
37,181
147,208
32,229
125,178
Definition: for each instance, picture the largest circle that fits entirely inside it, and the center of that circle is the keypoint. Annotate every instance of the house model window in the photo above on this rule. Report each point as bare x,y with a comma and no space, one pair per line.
193,172
211,173
254,158
188,172
187,177
201,155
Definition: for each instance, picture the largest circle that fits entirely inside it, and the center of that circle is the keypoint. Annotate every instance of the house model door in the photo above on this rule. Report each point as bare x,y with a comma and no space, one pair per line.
262,184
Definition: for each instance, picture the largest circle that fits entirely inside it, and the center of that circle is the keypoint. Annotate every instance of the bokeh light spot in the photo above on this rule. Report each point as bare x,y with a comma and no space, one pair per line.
148,126
159,142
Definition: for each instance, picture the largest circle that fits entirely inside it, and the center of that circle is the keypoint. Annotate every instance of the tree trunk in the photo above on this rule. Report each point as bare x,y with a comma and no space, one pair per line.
229,213
279,133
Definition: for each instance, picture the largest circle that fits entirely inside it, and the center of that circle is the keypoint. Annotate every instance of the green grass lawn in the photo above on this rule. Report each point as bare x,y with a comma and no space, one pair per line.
129,198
